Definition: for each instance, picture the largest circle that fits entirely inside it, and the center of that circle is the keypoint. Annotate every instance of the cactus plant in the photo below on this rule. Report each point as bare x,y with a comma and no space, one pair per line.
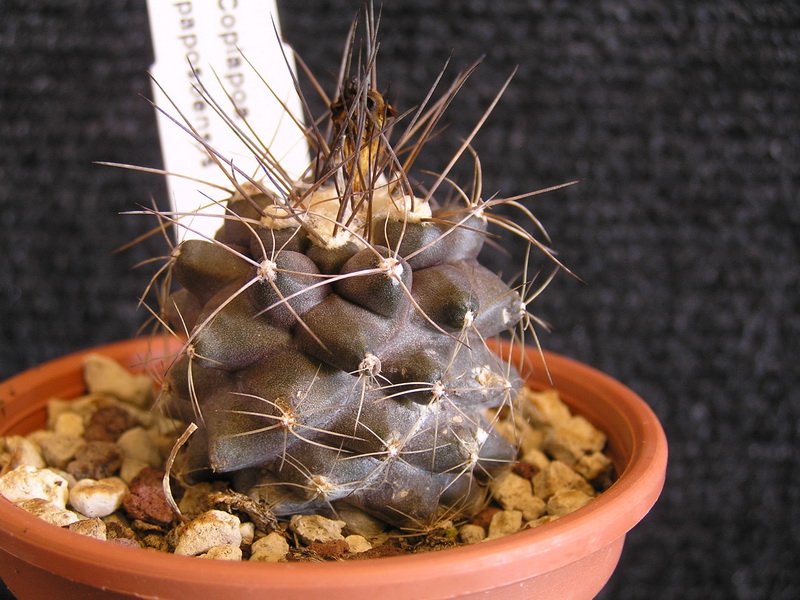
335,328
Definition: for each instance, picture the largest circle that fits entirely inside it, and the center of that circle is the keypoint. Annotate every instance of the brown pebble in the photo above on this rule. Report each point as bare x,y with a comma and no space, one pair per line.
121,534
108,423
156,542
524,469
259,512
383,551
484,518
95,460
332,549
143,527
146,500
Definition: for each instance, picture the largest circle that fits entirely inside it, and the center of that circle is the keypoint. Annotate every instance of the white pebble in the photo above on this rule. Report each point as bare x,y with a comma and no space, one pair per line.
66,475
212,528
313,528
26,483
47,511
270,548
97,498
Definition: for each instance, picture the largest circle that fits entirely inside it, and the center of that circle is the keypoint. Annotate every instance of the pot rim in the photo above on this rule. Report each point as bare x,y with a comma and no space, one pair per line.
542,549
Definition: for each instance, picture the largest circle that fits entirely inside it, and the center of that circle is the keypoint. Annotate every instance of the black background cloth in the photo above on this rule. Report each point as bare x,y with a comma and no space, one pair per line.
682,118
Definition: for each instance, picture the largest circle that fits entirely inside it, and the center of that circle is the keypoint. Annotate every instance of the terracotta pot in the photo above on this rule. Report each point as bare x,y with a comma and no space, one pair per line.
572,557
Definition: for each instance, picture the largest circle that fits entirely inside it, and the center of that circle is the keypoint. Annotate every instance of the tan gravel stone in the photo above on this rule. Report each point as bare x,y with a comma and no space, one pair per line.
56,407
19,451
537,458
224,552
471,533
545,409
106,376
567,501
93,528
85,406
212,528
59,450
137,443
248,531
593,466
558,477
27,483
359,522
193,502
130,468
504,522
314,528
270,548
356,544
47,511
69,423
69,477
518,431
572,440
532,440
513,492
540,521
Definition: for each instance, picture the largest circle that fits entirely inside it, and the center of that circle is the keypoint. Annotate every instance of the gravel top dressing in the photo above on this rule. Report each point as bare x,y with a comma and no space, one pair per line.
99,469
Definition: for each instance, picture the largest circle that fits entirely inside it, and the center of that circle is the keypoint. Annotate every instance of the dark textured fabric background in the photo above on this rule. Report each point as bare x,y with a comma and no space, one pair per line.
682,116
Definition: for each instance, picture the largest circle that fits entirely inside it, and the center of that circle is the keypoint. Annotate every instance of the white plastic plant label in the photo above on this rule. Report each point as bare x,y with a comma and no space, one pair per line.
224,53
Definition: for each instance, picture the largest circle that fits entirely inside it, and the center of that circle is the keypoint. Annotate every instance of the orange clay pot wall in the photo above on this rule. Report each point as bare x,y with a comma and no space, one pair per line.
570,558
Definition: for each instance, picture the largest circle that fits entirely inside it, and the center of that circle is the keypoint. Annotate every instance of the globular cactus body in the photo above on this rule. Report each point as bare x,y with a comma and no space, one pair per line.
336,338
367,385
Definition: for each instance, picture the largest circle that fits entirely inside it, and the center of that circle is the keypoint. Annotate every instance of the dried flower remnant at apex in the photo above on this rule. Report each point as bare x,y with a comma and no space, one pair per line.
335,350
364,140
